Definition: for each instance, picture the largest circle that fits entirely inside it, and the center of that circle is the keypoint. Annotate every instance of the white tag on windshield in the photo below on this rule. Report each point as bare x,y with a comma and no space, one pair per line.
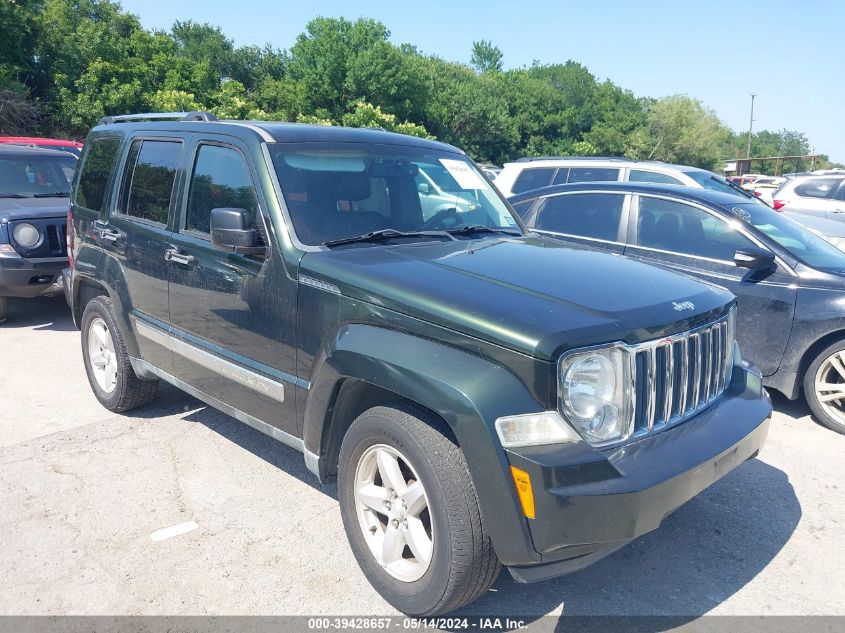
462,173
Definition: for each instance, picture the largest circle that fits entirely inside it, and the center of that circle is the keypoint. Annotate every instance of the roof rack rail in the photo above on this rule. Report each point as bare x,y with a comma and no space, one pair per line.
158,116
528,159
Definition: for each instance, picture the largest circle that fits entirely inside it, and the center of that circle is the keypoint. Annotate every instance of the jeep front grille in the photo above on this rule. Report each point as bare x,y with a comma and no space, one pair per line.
54,238
677,376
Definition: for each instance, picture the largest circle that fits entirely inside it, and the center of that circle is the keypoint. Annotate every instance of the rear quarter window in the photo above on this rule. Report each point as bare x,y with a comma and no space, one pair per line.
533,178
642,175
96,168
821,188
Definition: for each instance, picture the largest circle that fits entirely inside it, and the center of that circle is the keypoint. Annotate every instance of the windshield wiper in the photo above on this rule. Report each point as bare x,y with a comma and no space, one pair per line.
386,234
480,228
12,195
54,194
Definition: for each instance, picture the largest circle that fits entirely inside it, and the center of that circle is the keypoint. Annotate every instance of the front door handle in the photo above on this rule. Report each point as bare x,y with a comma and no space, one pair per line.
173,255
105,232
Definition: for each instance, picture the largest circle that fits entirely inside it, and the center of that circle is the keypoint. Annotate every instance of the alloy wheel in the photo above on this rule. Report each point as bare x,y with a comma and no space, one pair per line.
392,508
830,386
101,355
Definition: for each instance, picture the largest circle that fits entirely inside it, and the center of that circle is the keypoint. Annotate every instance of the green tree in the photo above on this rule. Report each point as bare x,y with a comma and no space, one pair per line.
486,57
682,130
369,115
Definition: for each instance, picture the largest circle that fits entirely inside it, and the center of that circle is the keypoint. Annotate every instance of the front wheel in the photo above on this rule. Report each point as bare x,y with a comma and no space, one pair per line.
411,514
824,387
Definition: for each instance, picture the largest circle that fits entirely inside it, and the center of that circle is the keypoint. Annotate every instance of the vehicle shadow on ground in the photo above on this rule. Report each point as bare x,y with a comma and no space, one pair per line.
279,455
702,554
40,313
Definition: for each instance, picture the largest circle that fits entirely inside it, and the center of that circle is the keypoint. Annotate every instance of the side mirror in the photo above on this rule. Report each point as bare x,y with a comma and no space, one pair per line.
229,232
424,188
754,258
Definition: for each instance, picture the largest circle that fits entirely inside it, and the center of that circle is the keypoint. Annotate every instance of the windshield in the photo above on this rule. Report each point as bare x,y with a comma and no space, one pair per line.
337,191
711,181
30,175
801,242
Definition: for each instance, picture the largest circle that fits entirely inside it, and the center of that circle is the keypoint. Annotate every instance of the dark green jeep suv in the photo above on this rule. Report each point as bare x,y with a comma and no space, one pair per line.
483,396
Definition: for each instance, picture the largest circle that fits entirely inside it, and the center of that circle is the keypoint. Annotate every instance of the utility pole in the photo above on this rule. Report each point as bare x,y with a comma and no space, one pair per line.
750,128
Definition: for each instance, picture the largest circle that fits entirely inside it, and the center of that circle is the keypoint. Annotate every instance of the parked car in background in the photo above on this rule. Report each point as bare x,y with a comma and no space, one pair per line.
789,282
476,407
822,196
73,147
764,187
490,170
34,186
749,179
831,230
532,173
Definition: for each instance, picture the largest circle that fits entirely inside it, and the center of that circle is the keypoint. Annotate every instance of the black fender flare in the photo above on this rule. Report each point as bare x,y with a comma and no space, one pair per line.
467,391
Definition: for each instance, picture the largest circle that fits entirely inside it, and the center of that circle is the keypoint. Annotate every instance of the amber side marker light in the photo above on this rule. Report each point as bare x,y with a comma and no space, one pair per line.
522,481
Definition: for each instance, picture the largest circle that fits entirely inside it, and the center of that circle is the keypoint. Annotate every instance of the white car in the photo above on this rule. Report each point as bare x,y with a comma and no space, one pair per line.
533,173
822,196
765,186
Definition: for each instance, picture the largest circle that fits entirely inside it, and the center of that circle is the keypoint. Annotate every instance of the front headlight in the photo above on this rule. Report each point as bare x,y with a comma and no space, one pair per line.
595,394
26,235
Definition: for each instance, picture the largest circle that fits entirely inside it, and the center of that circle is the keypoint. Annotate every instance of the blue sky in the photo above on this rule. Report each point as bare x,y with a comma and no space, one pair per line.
787,52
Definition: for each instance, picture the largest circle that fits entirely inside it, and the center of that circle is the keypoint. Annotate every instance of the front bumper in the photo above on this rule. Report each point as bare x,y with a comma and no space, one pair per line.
21,277
590,503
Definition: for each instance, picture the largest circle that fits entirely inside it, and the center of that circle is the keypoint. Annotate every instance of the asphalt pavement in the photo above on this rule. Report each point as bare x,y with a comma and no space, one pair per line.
179,509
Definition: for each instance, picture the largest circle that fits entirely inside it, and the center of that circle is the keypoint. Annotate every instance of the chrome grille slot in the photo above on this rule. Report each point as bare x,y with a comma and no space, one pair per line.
677,376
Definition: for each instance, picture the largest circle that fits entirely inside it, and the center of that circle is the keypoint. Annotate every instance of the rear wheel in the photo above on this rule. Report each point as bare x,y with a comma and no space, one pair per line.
107,364
411,513
824,387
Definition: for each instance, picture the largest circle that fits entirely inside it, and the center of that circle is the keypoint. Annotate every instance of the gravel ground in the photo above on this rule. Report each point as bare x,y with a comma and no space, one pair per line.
82,490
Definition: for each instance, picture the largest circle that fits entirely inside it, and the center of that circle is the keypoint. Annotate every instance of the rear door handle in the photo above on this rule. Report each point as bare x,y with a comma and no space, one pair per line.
173,255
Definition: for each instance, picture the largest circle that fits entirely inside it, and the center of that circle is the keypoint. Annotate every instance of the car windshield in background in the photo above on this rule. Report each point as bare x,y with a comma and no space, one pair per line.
711,181
801,242
339,192
30,175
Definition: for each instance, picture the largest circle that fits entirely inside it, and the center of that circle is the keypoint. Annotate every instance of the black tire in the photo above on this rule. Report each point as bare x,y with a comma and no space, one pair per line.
819,409
129,391
4,308
463,564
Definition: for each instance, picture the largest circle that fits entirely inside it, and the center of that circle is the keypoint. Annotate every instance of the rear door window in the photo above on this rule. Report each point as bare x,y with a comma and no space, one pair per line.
592,174
590,215
148,179
91,191
642,175
533,178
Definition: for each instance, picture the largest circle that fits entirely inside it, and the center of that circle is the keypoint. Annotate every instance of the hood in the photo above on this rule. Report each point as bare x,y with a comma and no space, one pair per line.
533,295
32,208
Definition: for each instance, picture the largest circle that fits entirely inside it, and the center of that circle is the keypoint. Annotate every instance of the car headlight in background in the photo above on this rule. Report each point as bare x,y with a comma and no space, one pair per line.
594,393
26,235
